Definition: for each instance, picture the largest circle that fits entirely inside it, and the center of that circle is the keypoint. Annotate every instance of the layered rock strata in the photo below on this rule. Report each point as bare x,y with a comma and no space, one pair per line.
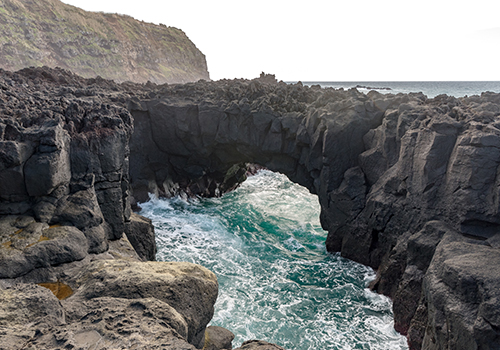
407,184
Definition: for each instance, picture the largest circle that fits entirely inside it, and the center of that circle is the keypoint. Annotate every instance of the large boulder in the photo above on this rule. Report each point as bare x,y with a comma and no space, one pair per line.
141,234
26,245
113,303
188,288
218,338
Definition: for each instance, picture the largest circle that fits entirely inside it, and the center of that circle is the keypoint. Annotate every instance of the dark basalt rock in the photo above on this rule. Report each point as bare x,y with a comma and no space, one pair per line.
65,209
258,345
407,185
140,233
385,168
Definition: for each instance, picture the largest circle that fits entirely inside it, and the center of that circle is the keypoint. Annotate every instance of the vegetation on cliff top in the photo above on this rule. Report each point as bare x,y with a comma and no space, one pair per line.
118,47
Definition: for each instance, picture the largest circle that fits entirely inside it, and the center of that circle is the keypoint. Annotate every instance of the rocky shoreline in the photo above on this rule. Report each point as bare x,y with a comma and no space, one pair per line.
407,185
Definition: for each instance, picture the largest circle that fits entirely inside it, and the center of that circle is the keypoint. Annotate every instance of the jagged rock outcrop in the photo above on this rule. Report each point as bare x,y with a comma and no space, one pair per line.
63,162
116,304
407,185
194,138
397,176
69,277
118,47
430,221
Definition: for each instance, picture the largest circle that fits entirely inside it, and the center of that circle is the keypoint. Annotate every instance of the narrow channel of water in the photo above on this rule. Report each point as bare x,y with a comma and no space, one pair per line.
276,280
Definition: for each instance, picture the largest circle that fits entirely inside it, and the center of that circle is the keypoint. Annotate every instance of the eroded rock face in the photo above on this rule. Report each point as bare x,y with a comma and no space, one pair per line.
64,220
461,290
117,304
93,44
64,161
394,174
141,235
37,245
194,138
407,185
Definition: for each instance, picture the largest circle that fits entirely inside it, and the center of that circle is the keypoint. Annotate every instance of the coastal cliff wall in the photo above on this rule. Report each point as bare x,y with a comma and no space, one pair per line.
406,184
51,33
69,276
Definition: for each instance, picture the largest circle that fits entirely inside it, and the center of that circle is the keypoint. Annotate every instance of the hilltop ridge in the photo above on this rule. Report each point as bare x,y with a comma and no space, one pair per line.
113,46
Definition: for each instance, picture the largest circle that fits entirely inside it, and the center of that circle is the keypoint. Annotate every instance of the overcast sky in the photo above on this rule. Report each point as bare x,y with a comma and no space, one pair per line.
336,40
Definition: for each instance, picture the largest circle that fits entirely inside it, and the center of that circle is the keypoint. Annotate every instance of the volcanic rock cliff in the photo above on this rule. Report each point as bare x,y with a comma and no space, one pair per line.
118,47
69,278
407,185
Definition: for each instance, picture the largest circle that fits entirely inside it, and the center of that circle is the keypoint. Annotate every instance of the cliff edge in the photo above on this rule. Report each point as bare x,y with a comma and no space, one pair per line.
51,33
407,185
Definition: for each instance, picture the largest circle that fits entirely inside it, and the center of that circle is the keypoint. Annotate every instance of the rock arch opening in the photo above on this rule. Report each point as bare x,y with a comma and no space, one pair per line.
393,173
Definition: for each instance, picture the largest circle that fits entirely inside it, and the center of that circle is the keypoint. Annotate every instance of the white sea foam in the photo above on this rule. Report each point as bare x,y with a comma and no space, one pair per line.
277,282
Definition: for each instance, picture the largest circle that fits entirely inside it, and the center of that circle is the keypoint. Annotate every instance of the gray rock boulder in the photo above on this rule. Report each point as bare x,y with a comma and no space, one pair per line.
141,235
218,338
117,304
36,245
190,289
259,345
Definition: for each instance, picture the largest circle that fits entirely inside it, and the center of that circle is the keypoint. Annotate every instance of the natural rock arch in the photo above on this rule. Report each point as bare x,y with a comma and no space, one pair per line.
402,180
190,145
408,185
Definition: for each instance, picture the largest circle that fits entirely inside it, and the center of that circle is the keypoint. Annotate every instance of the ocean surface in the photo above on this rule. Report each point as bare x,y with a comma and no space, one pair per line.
276,280
429,88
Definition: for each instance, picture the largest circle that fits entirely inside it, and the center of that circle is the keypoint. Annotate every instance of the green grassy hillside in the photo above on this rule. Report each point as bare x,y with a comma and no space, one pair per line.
51,33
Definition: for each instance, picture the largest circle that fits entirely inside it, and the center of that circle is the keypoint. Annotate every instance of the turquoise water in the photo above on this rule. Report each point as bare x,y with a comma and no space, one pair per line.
277,282
429,88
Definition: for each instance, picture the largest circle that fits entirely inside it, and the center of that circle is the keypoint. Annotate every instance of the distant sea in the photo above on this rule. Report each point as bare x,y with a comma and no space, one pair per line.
429,88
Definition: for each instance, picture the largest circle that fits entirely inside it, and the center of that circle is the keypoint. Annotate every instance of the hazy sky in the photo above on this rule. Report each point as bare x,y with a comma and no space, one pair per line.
336,40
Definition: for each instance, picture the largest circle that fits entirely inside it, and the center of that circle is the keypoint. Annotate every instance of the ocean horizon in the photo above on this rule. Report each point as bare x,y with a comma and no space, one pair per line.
429,88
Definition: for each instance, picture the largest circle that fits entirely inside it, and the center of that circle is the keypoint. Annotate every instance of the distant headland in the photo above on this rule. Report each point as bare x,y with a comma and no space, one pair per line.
407,184
51,33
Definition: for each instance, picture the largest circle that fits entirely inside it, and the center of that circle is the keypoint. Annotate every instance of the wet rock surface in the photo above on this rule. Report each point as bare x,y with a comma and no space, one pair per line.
407,184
